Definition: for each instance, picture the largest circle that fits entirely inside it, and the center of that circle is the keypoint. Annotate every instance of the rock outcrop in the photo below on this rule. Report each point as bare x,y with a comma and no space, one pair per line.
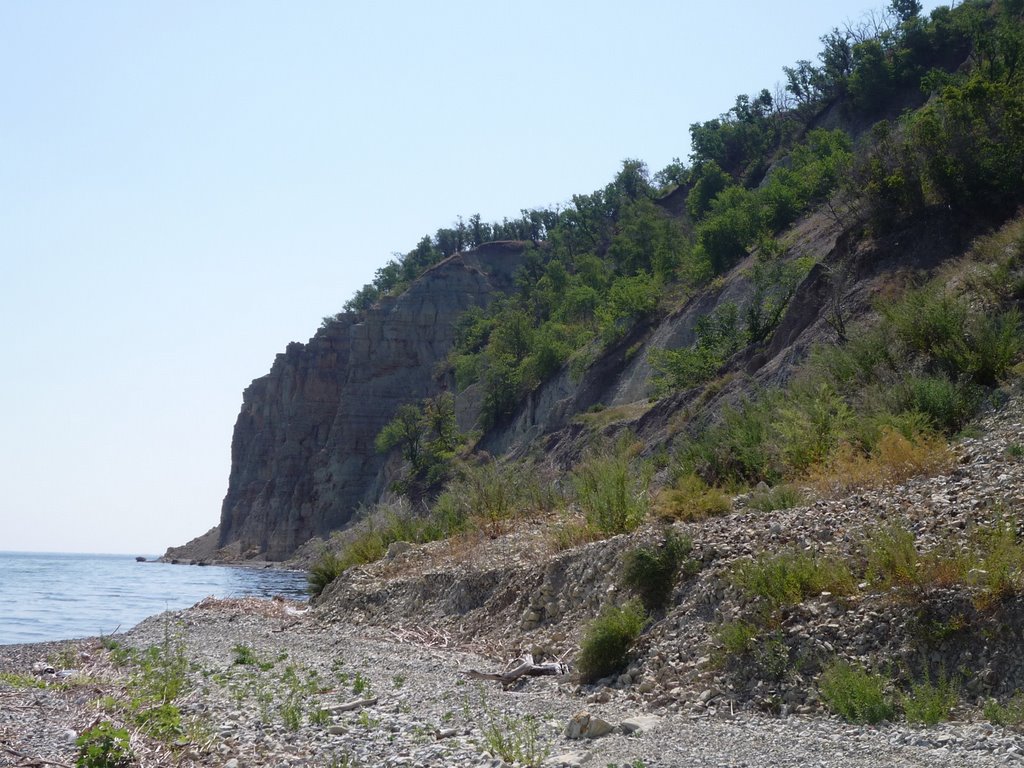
302,454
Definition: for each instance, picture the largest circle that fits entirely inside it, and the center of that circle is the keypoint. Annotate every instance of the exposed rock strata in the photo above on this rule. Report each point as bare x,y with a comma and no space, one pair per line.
302,454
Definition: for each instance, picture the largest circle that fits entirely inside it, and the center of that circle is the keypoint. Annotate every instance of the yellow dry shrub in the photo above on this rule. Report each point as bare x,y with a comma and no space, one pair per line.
690,498
894,459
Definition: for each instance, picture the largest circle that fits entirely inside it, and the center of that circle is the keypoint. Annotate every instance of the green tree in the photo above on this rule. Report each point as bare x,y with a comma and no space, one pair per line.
427,437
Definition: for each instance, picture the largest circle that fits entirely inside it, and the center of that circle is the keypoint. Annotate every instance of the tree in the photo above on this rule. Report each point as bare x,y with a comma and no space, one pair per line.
427,437
905,10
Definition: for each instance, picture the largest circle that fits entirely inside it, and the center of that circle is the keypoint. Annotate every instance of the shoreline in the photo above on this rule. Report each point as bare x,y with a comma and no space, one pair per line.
271,683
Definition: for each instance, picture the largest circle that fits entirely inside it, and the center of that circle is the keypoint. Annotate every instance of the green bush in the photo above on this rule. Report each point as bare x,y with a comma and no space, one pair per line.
607,640
930,703
947,405
754,649
651,571
736,637
611,492
855,694
103,746
742,448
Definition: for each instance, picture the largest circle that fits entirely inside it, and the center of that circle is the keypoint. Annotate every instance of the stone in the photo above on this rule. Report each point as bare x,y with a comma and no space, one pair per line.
583,725
639,723
397,548
568,760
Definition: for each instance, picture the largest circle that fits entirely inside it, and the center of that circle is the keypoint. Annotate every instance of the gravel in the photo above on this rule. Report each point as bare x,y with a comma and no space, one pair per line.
413,707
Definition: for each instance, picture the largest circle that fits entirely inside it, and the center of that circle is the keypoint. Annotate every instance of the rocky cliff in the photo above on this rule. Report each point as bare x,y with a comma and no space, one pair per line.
302,454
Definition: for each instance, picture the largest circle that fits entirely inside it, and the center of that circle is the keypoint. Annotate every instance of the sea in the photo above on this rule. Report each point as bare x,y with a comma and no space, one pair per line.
64,596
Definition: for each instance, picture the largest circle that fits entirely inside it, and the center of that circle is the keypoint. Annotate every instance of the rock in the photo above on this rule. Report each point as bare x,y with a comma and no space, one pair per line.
348,706
639,723
583,725
311,422
232,763
568,760
337,730
397,548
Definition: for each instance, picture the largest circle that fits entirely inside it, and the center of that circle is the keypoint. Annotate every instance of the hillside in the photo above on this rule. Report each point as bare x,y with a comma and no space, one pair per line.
658,305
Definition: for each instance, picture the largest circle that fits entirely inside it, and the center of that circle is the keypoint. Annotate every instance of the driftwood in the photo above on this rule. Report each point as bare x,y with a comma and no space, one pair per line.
30,762
524,666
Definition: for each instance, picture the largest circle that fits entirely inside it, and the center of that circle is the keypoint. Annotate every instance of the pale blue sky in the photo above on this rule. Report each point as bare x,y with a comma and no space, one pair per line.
185,187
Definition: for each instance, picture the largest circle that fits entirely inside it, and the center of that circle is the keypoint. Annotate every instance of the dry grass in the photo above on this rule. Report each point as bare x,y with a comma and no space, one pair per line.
570,533
894,460
597,420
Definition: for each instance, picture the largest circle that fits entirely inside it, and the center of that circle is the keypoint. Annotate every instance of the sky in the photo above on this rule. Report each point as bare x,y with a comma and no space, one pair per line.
187,186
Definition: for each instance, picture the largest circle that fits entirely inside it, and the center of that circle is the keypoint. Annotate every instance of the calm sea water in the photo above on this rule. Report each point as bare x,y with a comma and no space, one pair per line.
62,596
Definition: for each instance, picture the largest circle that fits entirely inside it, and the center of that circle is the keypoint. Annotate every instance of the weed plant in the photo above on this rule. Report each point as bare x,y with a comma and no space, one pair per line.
607,640
790,577
103,745
1009,714
16,680
612,492
992,562
780,497
930,703
516,740
855,694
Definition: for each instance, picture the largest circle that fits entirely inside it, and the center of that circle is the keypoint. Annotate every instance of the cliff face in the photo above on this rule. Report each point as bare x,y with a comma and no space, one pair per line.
302,454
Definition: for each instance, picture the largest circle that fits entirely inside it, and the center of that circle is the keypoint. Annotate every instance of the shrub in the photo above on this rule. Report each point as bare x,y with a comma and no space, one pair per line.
753,649
855,694
612,495
103,746
930,703
947,404
893,459
572,533
651,571
1000,560
736,637
607,640
741,448
491,494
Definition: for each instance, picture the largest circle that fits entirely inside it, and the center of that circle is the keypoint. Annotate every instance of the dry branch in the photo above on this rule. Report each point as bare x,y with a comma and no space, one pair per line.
524,666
